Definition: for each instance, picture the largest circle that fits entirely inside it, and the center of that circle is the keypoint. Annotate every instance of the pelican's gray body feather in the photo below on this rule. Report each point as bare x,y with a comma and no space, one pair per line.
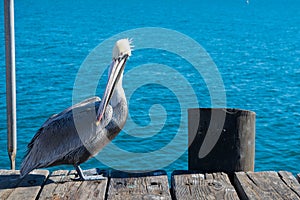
72,136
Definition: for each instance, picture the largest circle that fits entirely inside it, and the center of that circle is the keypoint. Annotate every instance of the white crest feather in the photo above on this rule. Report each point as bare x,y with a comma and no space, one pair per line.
122,47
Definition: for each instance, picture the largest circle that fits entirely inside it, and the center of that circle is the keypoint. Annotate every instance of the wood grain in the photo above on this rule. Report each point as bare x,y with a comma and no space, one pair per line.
221,140
61,186
186,185
26,188
9,180
266,185
289,179
152,185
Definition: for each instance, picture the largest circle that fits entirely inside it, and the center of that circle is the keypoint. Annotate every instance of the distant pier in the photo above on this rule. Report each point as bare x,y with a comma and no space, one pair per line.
152,185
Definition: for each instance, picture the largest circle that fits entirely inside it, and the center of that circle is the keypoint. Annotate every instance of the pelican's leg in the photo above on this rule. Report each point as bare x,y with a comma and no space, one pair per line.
80,174
82,177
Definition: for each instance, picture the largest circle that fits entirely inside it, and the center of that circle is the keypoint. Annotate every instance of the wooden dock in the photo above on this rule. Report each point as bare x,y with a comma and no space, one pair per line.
40,184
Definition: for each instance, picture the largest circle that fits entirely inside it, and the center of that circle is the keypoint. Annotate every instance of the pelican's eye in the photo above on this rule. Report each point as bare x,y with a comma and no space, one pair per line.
120,57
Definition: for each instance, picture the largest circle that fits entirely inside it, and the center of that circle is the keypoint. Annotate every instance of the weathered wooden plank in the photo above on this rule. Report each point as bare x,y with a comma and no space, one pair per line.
61,186
9,179
65,185
290,181
92,190
298,177
52,182
12,187
190,185
152,185
30,186
265,185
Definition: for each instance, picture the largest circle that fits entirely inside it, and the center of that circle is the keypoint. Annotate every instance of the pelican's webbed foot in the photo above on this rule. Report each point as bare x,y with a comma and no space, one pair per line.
91,177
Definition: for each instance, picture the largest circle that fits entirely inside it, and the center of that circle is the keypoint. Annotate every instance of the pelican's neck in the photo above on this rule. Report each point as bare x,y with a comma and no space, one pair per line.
118,94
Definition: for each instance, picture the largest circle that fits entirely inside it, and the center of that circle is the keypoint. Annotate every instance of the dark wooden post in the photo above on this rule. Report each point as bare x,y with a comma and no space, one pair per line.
221,140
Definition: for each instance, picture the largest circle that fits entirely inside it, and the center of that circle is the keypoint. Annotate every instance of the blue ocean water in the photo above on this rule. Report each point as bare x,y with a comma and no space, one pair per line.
255,46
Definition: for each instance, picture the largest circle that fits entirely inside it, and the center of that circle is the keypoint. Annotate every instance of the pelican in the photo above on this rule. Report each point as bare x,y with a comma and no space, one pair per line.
82,130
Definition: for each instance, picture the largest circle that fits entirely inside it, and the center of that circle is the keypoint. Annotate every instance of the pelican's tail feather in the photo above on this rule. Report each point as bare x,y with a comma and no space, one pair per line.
27,166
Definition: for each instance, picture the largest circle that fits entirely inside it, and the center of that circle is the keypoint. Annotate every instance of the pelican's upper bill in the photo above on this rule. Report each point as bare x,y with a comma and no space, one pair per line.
121,48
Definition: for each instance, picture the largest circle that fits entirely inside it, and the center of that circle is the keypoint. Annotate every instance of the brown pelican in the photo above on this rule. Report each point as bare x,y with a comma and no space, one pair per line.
82,130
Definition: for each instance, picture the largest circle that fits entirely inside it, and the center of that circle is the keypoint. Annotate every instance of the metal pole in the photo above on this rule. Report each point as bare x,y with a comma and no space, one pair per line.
10,81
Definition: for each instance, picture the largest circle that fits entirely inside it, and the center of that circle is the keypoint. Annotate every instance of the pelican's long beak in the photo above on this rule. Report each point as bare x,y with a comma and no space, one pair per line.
117,68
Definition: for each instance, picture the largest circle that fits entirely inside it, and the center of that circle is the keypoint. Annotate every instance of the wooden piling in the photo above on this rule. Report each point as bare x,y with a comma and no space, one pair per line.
221,140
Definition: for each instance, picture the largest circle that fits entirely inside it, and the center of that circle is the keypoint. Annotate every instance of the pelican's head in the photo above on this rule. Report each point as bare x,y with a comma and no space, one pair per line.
121,48
120,54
